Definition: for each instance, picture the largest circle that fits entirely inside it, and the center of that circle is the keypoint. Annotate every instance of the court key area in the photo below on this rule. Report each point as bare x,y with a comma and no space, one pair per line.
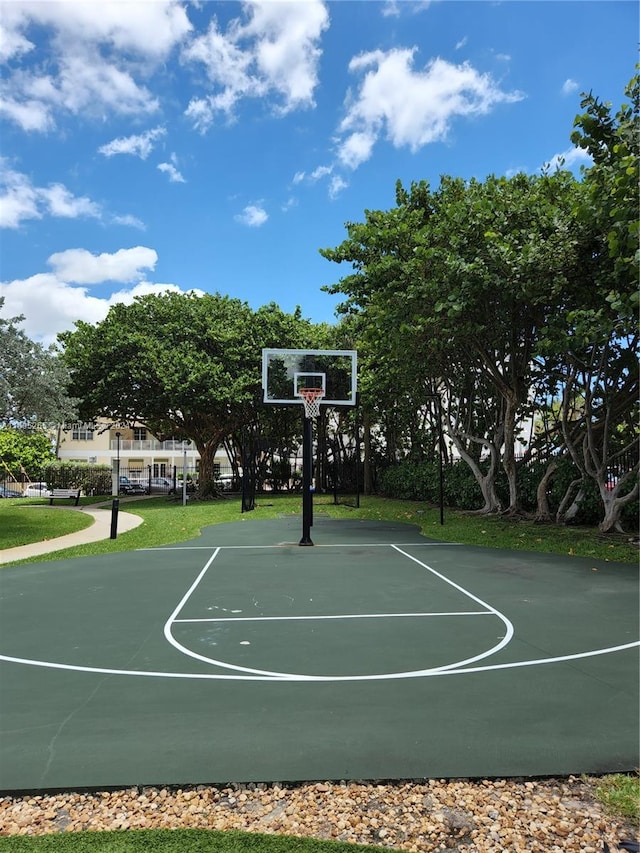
376,654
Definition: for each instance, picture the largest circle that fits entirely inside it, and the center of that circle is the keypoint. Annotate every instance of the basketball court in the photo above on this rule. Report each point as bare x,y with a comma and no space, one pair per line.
375,654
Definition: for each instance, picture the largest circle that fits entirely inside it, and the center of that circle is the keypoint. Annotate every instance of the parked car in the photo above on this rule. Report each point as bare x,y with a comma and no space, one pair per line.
225,483
37,490
127,487
9,493
160,485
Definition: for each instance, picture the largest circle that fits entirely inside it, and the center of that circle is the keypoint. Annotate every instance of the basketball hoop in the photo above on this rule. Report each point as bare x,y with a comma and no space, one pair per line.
311,398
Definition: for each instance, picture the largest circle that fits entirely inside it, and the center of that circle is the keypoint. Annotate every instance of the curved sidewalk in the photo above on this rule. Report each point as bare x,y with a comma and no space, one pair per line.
100,529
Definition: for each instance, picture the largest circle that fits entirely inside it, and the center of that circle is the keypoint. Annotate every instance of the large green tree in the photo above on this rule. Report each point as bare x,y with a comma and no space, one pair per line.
185,366
33,380
508,295
456,286
599,341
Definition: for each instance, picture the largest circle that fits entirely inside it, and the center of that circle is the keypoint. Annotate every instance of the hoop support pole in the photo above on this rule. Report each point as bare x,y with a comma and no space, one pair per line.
307,495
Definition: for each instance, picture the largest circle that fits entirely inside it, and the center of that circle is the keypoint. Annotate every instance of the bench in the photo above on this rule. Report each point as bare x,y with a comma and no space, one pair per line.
69,494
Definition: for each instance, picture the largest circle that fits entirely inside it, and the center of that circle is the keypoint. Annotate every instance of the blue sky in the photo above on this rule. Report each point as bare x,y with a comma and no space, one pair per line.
217,146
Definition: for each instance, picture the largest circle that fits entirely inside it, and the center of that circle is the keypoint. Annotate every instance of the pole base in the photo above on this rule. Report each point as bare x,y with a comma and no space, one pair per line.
305,541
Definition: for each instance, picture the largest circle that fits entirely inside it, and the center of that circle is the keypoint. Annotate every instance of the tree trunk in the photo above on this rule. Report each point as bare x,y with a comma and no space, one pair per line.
570,503
487,482
206,473
492,502
509,459
543,511
613,506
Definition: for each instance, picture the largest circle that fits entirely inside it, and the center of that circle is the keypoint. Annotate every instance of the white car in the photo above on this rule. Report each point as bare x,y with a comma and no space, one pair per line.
37,490
225,483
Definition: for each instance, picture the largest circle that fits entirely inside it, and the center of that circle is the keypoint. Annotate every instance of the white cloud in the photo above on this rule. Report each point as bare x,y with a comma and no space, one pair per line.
320,172
336,185
390,9
62,203
393,8
462,43
20,200
252,216
51,305
201,112
52,302
569,87
145,28
84,84
94,51
170,170
357,148
139,146
410,107
89,83
275,52
29,115
78,266
12,44
144,288
286,51
572,157
129,220
336,182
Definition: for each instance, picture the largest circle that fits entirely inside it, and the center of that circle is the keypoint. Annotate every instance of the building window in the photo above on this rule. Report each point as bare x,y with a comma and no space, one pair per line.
139,434
82,435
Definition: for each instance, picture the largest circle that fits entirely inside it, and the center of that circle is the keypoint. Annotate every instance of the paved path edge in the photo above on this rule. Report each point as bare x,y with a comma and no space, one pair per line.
100,529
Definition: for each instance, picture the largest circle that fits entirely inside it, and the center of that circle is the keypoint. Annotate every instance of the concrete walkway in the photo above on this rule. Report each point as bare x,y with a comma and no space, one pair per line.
100,529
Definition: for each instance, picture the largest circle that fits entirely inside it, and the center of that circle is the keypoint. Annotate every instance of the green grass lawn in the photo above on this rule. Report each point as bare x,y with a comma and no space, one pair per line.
172,841
620,793
167,521
24,521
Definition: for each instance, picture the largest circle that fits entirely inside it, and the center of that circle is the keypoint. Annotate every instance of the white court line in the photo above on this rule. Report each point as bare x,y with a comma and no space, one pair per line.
289,544
207,676
340,616
391,676
298,676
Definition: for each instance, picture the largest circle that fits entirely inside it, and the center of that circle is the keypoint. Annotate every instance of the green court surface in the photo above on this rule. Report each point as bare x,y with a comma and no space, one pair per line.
376,654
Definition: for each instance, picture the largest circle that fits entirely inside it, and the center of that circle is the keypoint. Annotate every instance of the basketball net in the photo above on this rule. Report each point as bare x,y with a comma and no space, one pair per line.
311,398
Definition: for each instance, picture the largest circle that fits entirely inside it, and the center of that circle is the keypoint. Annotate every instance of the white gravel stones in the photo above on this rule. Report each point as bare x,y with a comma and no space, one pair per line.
486,816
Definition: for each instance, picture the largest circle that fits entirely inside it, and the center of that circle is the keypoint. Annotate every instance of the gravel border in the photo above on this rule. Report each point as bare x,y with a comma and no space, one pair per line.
480,816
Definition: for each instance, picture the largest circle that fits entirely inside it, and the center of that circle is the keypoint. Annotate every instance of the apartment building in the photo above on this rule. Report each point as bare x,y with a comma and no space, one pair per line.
132,449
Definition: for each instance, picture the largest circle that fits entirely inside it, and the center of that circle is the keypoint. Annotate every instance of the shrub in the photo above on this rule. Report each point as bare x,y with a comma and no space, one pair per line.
420,481
92,479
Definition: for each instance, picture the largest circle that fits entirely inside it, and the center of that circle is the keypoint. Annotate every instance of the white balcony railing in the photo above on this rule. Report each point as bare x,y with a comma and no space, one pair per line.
148,444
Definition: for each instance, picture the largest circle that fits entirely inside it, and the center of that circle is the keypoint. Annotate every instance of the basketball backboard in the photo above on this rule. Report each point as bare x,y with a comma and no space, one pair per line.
285,372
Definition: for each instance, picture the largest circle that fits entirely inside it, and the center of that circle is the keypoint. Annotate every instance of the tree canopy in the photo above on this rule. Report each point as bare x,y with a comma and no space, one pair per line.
185,366
24,454
33,380
506,294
